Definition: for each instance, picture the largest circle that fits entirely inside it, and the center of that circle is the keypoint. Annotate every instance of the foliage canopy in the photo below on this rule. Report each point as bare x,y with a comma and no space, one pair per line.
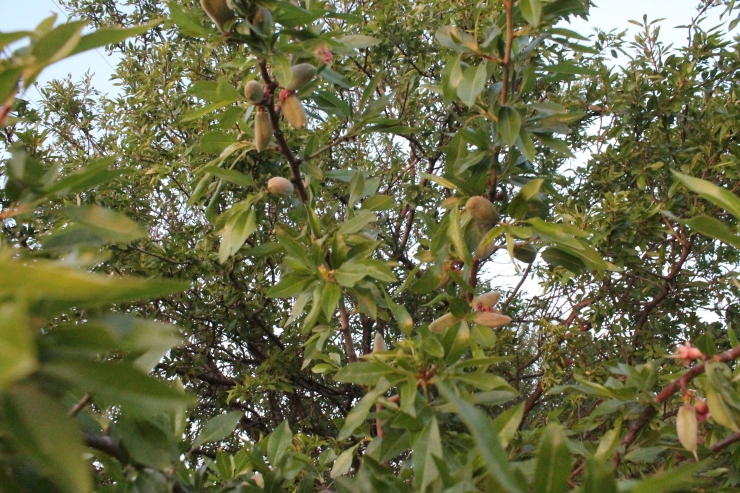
270,262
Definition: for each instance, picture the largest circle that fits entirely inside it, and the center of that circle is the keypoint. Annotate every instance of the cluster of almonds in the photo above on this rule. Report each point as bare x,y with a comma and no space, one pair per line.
485,314
689,416
292,107
687,423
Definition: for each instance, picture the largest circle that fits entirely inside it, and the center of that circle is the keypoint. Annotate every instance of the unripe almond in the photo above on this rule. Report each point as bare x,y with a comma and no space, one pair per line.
482,209
218,11
443,323
280,186
254,92
485,302
379,344
262,132
303,73
492,319
485,250
294,112
263,20
687,428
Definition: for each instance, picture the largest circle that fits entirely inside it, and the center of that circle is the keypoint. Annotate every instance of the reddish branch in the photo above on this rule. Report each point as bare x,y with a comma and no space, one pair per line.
665,289
651,410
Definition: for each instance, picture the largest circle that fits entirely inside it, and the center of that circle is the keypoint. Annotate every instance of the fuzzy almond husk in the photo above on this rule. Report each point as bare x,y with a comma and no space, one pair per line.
486,301
485,250
280,186
263,20
482,209
687,428
263,133
303,73
294,112
492,319
379,345
218,11
443,323
254,92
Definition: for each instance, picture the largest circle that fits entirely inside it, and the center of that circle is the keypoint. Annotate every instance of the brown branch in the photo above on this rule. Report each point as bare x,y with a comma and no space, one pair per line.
663,293
269,105
509,6
518,287
651,410
723,444
346,331
531,402
80,405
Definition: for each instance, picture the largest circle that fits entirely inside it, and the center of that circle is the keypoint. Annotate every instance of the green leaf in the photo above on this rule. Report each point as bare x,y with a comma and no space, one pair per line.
86,178
278,442
493,454
451,76
235,232
350,273
558,257
711,192
713,228
681,478
364,373
569,69
330,298
209,108
218,428
17,345
531,11
12,37
9,79
378,203
38,427
357,41
426,447
232,176
359,412
59,43
472,83
554,462
61,287
362,218
343,462
119,384
378,270
399,312
112,35
146,442
599,478
289,15
509,125
507,424
105,223
186,21
216,141
290,284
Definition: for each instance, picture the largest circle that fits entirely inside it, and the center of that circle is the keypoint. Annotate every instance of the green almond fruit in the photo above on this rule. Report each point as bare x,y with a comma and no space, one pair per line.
218,11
